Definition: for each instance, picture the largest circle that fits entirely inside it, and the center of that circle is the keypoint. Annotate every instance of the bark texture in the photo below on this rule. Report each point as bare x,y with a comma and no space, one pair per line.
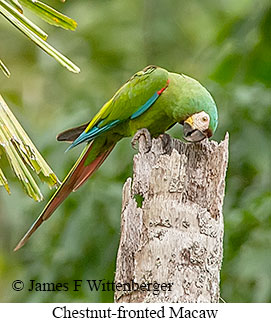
176,235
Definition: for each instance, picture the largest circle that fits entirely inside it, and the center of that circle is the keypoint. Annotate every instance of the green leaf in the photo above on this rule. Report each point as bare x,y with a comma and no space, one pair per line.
38,40
17,5
15,17
49,14
4,69
22,155
3,181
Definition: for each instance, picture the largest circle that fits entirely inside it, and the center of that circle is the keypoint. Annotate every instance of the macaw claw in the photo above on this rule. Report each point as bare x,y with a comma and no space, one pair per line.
144,145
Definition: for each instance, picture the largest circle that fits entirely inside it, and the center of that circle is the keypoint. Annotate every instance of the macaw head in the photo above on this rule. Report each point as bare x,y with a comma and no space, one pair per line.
201,118
198,127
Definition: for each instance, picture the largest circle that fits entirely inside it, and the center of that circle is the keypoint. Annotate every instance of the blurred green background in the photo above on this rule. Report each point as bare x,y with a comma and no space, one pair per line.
226,45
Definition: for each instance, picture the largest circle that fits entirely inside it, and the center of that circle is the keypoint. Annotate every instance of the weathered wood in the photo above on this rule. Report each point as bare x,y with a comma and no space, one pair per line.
176,235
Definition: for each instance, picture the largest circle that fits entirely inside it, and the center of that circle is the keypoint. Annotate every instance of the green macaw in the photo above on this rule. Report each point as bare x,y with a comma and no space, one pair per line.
154,99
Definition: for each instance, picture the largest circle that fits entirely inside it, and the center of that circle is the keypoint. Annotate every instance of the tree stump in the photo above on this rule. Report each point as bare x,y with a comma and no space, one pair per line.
172,222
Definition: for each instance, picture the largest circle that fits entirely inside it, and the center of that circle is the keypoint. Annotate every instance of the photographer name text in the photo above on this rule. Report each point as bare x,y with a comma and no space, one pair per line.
94,285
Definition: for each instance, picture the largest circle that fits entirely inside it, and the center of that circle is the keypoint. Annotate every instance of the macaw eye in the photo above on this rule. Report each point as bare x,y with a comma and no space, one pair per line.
204,119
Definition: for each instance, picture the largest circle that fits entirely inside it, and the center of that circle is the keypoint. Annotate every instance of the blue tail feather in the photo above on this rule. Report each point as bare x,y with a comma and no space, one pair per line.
93,133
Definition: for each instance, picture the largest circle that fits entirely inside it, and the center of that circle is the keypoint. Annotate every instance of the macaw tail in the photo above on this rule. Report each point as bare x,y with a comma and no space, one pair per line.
79,173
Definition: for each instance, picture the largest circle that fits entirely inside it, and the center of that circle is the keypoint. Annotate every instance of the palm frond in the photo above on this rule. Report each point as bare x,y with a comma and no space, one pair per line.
14,14
49,14
4,69
22,155
17,5
4,181
18,19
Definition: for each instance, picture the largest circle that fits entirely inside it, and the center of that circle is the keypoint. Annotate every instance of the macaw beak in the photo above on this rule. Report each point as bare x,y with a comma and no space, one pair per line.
191,133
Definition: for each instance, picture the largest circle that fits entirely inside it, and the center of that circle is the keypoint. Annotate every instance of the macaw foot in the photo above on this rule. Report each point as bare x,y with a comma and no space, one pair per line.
146,143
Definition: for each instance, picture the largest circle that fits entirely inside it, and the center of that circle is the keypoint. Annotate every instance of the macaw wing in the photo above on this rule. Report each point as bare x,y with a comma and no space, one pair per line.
134,98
